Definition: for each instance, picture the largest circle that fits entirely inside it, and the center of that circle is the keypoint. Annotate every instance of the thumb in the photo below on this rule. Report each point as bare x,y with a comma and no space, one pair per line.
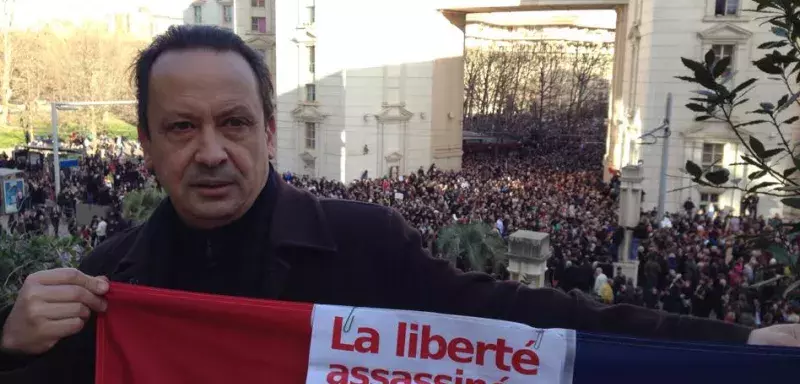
98,285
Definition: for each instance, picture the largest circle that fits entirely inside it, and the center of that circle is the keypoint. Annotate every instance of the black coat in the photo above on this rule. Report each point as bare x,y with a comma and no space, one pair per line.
355,254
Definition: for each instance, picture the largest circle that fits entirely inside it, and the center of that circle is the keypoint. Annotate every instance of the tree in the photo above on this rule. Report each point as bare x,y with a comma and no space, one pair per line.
474,246
138,205
5,82
516,87
775,169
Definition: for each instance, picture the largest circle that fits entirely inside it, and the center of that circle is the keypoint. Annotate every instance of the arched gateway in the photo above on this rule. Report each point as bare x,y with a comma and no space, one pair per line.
377,85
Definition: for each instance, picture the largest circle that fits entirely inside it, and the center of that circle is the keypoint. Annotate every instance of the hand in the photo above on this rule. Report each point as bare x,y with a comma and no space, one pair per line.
51,305
783,335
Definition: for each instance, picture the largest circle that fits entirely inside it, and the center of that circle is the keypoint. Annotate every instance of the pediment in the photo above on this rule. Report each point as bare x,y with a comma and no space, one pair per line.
308,113
394,112
307,157
725,31
303,36
258,40
394,157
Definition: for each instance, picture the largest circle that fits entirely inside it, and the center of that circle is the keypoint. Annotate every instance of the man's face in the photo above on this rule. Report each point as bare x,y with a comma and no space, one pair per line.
209,143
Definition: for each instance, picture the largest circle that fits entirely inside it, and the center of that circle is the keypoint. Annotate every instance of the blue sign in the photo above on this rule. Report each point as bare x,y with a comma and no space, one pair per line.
69,163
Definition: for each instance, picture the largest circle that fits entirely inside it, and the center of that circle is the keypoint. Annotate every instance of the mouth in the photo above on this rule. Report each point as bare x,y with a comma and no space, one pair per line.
212,189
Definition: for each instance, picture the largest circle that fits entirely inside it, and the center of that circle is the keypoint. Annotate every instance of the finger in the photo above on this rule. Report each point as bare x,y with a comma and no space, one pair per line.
59,311
65,276
58,329
71,294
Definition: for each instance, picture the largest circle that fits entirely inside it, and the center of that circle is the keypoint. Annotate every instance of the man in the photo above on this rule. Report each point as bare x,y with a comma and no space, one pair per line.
101,231
232,226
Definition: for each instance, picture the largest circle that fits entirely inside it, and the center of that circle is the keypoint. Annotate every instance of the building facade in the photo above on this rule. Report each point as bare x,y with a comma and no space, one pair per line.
253,20
363,89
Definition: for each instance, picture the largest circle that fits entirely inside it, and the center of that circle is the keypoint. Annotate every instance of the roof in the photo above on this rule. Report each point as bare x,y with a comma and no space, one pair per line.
4,172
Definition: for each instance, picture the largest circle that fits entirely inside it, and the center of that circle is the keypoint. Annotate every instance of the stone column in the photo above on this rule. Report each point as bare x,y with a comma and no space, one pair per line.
528,252
629,211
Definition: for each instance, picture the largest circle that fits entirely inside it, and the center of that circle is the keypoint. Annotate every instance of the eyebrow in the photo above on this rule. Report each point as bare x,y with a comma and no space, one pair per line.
236,109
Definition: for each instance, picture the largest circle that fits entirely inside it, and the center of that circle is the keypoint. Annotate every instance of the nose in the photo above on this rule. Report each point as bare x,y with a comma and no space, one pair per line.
211,151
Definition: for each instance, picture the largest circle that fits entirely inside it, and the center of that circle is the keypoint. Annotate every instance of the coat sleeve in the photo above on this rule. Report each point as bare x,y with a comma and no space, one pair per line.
423,283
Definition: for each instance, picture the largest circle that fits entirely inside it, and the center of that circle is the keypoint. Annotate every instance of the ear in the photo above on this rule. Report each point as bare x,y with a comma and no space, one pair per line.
144,140
272,141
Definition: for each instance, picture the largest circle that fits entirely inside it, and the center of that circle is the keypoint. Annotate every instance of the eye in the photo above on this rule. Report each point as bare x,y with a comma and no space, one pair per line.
234,122
181,126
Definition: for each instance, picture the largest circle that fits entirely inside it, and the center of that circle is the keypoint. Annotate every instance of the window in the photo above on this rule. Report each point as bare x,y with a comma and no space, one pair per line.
723,51
312,59
257,3
312,14
712,155
198,14
227,13
311,136
311,92
726,8
709,200
258,24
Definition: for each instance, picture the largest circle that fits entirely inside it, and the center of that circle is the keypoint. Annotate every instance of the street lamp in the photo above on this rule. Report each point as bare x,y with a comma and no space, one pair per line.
662,132
70,106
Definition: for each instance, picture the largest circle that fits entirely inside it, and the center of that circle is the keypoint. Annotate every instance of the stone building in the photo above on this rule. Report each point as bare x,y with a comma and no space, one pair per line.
377,85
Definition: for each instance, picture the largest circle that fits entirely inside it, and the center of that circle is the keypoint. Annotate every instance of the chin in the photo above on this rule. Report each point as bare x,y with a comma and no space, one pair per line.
218,211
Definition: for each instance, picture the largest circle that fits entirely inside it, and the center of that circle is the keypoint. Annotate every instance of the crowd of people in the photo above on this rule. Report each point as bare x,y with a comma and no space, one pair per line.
101,178
693,262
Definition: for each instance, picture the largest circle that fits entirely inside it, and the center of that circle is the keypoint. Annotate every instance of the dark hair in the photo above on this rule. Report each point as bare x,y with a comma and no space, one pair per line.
181,37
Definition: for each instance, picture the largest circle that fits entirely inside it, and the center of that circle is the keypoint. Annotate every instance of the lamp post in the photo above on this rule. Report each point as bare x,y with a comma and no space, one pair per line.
69,106
667,132
235,20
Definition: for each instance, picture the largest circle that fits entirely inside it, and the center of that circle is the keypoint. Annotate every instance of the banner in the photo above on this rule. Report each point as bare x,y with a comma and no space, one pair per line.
153,336
366,345
11,189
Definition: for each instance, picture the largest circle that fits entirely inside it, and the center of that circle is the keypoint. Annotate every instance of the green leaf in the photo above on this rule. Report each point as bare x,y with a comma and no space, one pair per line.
767,106
767,65
753,122
702,118
743,85
793,202
762,185
771,152
686,78
721,66
718,177
789,171
782,100
709,58
773,44
693,65
693,169
780,32
696,107
757,175
791,120
789,102
757,146
751,161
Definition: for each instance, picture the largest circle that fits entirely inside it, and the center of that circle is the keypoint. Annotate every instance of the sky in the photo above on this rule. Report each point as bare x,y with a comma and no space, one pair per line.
30,12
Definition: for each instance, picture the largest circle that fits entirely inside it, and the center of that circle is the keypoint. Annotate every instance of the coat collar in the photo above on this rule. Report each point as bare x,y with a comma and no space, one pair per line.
298,221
